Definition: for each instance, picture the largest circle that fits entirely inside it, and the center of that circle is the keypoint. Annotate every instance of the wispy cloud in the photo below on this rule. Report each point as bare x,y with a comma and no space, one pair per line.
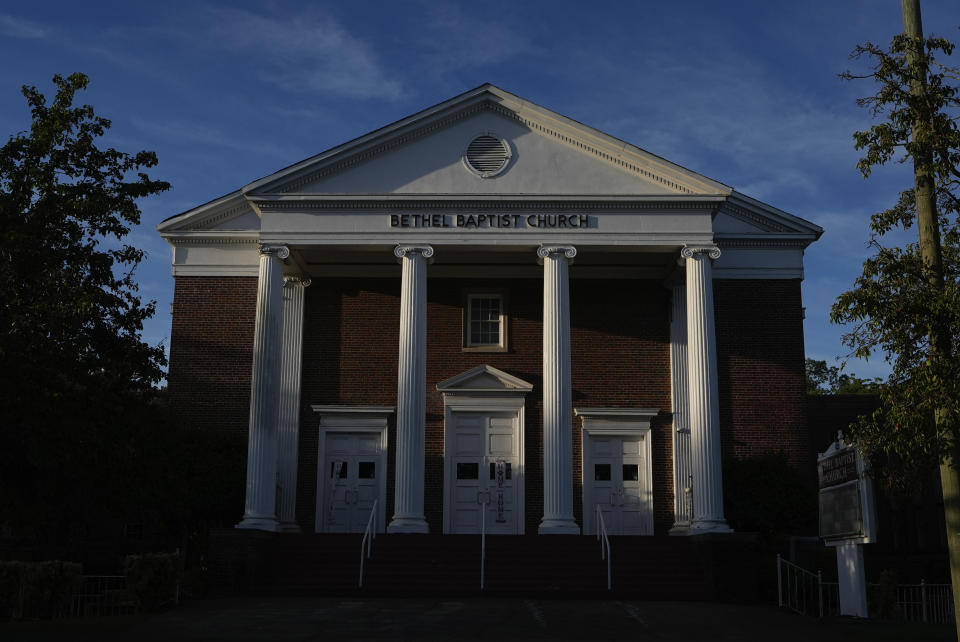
453,40
20,28
200,134
310,52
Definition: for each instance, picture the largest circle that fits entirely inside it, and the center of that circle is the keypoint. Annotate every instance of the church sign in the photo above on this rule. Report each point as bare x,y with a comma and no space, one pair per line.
842,493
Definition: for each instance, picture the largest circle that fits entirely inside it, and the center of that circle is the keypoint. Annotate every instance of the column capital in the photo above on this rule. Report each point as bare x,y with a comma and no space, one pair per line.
401,251
297,279
282,252
548,250
689,251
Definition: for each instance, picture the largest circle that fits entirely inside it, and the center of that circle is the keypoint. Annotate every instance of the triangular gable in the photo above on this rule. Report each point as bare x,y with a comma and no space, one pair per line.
232,212
484,378
629,169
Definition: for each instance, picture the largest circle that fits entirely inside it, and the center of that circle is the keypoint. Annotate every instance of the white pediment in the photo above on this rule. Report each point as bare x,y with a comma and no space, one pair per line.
484,378
539,164
422,154
358,193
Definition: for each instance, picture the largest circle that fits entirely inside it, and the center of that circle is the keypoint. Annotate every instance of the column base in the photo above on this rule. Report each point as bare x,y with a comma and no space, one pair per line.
288,527
558,527
408,525
259,524
679,530
699,527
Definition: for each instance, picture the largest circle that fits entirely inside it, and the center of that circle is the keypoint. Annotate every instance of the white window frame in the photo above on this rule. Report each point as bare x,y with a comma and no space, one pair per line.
469,298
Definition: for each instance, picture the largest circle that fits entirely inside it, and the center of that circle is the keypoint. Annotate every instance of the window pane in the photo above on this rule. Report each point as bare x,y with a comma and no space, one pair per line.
601,472
468,471
631,472
484,320
367,470
343,469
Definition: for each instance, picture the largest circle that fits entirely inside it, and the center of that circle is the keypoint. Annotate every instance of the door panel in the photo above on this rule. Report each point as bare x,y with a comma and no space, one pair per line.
614,478
483,445
354,464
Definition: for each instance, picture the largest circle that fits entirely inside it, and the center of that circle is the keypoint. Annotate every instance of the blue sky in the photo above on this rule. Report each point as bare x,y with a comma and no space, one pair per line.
225,93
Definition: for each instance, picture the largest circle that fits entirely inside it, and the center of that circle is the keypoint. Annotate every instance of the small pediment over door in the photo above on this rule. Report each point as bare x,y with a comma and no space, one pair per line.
484,379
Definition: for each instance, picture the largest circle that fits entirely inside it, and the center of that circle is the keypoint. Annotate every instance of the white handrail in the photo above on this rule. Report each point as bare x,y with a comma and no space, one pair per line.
369,534
604,543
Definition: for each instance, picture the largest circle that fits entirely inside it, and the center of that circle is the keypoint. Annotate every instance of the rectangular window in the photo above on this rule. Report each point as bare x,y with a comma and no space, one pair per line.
484,322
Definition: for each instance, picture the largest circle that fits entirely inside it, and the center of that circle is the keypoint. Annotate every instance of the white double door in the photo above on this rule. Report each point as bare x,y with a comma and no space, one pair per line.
353,469
615,479
483,472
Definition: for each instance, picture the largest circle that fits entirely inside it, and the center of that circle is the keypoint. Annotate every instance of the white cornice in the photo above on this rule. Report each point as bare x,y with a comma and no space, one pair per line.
762,241
519,202
208,214
616,412
249,237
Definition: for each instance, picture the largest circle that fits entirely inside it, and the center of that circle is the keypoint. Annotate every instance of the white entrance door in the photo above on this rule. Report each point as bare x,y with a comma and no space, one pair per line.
352,469
483,472
614,478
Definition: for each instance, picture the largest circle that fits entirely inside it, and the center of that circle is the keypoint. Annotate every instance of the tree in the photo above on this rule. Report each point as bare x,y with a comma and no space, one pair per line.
829,380
906,303
74,371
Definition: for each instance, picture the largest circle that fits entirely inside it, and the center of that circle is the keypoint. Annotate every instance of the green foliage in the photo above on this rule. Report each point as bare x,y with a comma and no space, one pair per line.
829,380
86,436
38,589
899,301
767,495
154,578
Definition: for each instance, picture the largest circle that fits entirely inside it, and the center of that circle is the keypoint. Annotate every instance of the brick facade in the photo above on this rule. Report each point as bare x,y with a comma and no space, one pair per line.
620,352
760,357
211,351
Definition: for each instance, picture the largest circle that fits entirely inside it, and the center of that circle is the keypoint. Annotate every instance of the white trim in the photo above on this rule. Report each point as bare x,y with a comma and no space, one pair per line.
352,419
214,270
616,422
471,298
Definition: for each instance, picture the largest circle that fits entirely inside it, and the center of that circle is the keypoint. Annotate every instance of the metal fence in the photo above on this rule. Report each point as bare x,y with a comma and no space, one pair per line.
101,595
929,603
806,593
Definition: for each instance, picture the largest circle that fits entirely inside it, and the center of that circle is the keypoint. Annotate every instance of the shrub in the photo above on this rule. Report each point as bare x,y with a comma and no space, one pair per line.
38,589
154,578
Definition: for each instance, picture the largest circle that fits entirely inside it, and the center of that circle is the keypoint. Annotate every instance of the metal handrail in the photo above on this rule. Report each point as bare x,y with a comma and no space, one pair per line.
369,534
483,537
604,543
799,585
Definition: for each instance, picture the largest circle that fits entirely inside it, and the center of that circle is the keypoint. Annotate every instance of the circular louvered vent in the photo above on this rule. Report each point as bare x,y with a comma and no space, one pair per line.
487,155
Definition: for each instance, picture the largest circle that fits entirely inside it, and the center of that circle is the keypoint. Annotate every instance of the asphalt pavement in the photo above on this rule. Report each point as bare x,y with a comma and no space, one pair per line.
313,619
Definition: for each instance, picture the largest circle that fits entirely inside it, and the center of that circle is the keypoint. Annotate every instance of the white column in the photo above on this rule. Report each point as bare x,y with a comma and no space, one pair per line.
704,397
680,393
557,394
408,514
288,421
260,512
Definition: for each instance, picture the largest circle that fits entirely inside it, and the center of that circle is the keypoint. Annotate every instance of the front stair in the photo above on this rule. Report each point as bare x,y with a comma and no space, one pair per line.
656,568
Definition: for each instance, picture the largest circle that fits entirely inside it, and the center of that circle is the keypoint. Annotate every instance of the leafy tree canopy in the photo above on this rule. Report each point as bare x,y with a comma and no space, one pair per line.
901,299
73,367
823,379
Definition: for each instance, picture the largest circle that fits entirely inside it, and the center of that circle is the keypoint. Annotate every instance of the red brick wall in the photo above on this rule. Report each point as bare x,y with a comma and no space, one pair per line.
761,368
620,357
211,351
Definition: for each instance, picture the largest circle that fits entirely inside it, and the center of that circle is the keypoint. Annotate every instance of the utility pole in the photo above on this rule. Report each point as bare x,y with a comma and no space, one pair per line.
928,231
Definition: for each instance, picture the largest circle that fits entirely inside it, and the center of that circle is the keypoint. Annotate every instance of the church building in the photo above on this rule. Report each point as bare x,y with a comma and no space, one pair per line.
488,315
